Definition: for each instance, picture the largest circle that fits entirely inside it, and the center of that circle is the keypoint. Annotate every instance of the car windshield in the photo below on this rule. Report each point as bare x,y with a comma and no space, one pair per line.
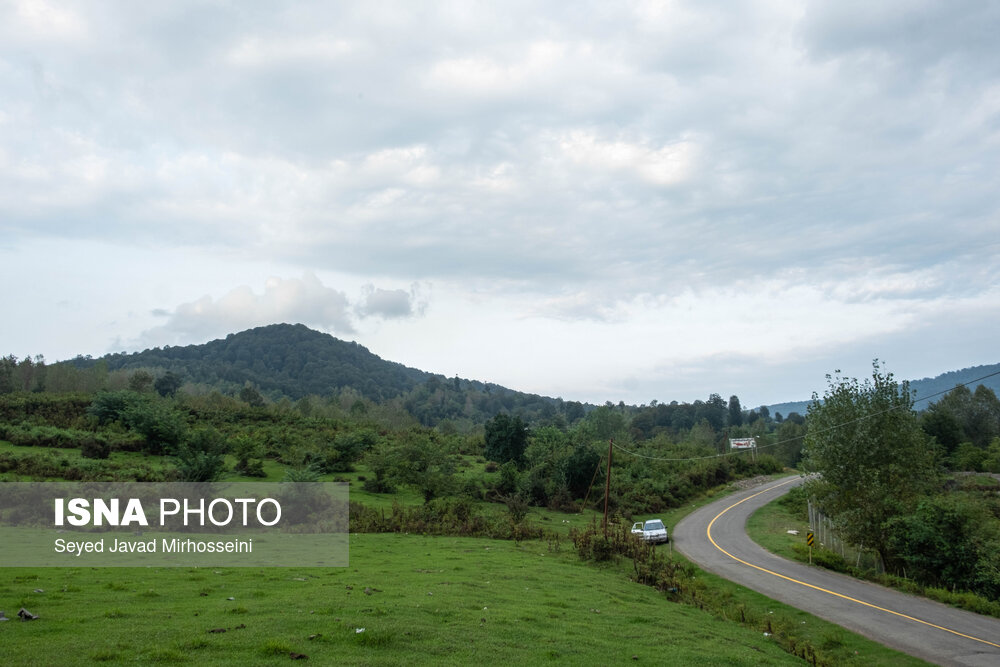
653,525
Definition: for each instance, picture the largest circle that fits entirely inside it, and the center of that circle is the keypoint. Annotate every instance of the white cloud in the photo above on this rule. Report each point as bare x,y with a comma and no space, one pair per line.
256,51
46,20
824,172
669,164
296,301
534,64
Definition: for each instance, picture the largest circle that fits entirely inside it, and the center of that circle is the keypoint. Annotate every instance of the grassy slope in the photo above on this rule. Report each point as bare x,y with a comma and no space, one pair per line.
433,601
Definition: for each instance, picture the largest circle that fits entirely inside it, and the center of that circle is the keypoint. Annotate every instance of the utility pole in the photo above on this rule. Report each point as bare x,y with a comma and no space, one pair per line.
607,487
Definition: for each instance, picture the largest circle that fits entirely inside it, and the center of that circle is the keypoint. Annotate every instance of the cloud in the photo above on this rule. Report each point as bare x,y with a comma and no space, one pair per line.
303,300
48,21
666,165
390,304
592,167
306,301
558,154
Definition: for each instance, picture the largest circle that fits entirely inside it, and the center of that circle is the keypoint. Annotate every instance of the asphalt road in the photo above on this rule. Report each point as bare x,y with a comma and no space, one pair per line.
715,538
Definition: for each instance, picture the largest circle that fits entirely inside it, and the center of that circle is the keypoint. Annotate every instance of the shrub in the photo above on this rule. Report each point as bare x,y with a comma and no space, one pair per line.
95,448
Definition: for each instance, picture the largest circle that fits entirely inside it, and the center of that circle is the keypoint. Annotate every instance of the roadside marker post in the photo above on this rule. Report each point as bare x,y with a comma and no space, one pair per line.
810,539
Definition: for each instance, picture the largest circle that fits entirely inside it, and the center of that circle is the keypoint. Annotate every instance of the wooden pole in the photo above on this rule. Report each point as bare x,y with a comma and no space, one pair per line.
607,487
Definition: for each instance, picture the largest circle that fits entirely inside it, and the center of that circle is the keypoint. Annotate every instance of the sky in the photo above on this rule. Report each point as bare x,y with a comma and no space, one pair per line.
598,201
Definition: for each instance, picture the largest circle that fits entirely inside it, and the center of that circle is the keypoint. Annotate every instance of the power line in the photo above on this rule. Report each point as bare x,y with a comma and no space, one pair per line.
799,437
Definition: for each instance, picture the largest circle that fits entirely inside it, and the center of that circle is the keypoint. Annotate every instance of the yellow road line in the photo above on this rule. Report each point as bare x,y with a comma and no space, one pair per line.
818,588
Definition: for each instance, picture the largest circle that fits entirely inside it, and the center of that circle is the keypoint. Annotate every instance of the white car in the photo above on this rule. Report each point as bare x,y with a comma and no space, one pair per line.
651,531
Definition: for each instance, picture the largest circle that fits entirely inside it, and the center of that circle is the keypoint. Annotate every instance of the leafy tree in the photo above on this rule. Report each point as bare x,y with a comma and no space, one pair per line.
795,418
111,406
249,453
168,384
250,396
975,414
992,461
574,411
875,461
949,541
163,427
603,423
202,457
580,468
943,426
509,479
8,368
420,460
714,411
506,439
345,450
380,461
140,381
967,457
789,436
735,411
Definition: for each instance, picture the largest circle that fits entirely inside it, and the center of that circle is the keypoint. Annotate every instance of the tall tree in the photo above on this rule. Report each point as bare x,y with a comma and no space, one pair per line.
506,439
964,416
735,411
8,371
168,384
875,460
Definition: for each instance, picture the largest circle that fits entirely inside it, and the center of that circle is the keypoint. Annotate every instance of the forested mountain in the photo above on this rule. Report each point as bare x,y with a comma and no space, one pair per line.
287,360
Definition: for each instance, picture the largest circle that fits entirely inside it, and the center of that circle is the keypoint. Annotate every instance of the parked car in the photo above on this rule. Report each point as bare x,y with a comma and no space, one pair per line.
652,531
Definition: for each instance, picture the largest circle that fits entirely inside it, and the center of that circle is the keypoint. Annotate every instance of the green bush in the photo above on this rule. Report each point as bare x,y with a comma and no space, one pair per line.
95,449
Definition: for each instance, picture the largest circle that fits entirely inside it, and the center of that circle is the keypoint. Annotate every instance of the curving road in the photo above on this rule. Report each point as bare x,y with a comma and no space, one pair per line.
715,538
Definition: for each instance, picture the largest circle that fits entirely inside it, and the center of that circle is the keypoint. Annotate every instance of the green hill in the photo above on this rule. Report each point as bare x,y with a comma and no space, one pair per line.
288,360
292,361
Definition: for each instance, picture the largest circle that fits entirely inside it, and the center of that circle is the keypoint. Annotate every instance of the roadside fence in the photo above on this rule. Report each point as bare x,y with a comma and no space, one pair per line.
826,536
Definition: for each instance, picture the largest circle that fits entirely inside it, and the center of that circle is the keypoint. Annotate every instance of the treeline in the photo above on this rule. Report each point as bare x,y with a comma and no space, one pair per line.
201,437
965,426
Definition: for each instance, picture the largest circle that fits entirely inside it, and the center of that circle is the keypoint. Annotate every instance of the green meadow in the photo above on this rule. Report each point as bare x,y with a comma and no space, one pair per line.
404,599
412,599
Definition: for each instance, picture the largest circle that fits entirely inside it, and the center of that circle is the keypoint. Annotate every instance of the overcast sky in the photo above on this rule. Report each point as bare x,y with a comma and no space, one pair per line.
598,201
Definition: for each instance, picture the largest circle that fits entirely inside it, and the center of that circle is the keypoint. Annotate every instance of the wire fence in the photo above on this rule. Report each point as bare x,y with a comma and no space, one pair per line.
826,535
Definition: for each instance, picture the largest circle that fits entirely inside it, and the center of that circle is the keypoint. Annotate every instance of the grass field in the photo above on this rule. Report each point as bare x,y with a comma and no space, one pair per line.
404,599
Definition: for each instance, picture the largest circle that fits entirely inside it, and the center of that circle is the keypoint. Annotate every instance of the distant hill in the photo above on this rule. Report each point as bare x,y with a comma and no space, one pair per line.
928,390
280,360
293,361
